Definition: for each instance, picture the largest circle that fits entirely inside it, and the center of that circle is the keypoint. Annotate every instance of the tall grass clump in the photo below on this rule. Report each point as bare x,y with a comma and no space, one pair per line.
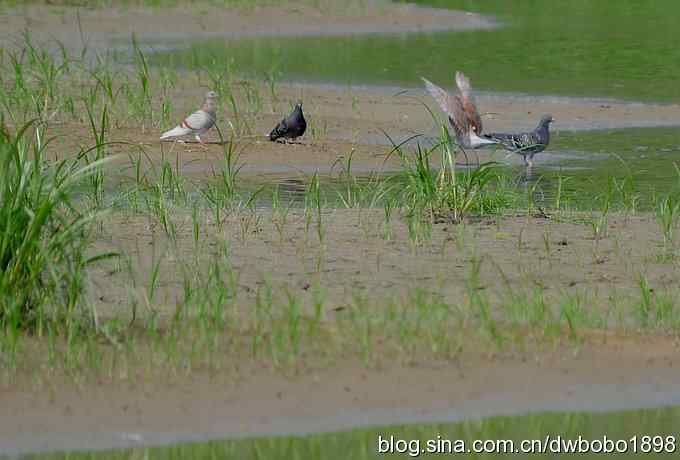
43,237
222,191
445,192
667,215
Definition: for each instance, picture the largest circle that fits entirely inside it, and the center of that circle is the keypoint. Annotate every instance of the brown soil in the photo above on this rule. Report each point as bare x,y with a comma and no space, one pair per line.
346,120
516,255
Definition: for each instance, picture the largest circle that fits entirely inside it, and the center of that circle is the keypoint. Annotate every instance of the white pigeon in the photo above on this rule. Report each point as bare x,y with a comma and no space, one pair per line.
197,123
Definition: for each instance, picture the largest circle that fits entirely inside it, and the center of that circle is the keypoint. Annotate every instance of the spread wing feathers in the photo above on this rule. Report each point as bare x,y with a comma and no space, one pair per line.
463,84
452,106
523,143
469,105
472,116
198,122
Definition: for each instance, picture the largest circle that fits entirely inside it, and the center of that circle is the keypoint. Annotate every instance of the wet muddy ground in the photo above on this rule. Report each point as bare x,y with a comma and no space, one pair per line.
364,122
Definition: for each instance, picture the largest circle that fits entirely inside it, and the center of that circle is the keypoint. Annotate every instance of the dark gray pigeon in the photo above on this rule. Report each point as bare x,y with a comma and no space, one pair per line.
526,144
291,127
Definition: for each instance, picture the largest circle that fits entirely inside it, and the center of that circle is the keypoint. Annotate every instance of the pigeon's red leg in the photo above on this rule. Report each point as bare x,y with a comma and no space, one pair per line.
200,141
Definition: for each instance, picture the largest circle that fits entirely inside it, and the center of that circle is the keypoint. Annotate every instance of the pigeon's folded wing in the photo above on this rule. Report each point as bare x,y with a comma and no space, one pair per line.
531,143
520,143
295,122
199,121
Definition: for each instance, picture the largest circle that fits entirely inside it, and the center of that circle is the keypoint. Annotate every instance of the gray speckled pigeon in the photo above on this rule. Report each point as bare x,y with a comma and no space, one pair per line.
198,122
526,144
291,127
462,112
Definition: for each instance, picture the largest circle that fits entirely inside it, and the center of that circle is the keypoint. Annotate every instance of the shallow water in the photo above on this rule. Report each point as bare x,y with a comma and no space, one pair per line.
579,48
363,444
589,164
581,169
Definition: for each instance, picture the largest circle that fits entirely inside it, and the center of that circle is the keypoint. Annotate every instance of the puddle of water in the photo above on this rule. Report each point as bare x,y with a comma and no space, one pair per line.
643,159
630,426
334,191
573,48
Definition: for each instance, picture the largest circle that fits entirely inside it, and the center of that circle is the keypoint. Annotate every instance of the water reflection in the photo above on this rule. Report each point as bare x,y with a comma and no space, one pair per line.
362,444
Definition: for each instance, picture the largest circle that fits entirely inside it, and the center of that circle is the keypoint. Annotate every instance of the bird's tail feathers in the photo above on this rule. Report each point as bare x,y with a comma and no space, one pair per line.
176,132
463,84
481,140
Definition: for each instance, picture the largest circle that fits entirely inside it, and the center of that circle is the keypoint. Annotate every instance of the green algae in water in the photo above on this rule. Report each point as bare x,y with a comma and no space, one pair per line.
626,49
362,444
